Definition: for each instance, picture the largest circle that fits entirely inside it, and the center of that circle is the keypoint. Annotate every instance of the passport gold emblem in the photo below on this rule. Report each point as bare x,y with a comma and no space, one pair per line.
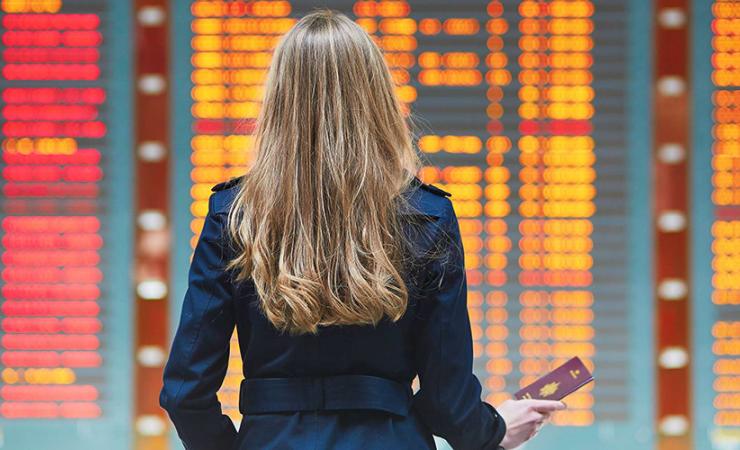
549,389
558,383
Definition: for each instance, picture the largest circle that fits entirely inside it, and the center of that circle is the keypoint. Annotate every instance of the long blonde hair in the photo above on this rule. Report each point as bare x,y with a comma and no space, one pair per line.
316,220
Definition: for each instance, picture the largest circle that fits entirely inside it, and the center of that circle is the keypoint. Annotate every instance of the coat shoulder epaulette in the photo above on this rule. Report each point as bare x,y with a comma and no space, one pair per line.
431,188
227,184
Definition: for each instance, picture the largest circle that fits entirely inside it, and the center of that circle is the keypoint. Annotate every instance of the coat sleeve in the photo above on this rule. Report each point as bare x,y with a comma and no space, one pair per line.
448,400
199,355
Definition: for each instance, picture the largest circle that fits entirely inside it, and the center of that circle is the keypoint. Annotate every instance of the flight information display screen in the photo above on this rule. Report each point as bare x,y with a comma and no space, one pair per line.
534,114
716,238
725,198
528,113
64,341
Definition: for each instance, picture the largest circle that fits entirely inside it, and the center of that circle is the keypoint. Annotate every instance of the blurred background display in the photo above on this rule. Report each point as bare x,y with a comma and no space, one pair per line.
65,343
592,149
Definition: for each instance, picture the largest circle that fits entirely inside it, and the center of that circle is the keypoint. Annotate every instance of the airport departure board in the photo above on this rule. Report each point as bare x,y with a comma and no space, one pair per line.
65,340
725,229
534,114
716,236
529,113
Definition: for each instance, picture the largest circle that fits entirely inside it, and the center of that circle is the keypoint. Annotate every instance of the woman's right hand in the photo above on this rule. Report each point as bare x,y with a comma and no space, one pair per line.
524,417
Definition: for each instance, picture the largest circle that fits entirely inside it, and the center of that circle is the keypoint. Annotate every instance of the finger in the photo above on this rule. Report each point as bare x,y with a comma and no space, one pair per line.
546,405
535,416
533,434
537,428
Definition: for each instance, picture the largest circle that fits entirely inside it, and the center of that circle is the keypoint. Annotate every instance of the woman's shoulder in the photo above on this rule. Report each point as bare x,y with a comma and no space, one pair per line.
429,187
228,184
427,199
224,193
423,198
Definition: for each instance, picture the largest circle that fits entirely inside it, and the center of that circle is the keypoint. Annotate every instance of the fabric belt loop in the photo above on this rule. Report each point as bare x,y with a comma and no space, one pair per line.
316,393
242,397
322,393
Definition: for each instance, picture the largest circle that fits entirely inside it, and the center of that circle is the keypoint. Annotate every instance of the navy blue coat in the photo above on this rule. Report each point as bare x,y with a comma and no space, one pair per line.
346,387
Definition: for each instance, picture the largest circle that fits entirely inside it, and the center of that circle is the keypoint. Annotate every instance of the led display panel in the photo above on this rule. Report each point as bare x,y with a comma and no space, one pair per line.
64,295
523,111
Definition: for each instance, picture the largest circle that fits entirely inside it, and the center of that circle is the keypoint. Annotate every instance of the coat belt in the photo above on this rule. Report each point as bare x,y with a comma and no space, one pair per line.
269,395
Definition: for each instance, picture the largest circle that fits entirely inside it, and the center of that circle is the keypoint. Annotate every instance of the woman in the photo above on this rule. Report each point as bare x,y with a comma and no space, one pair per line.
342,272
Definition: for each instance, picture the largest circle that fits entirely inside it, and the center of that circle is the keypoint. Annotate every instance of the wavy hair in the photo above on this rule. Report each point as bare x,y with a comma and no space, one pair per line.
316,220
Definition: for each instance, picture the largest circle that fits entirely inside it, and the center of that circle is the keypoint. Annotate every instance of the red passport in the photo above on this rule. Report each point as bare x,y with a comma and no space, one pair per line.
557,384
